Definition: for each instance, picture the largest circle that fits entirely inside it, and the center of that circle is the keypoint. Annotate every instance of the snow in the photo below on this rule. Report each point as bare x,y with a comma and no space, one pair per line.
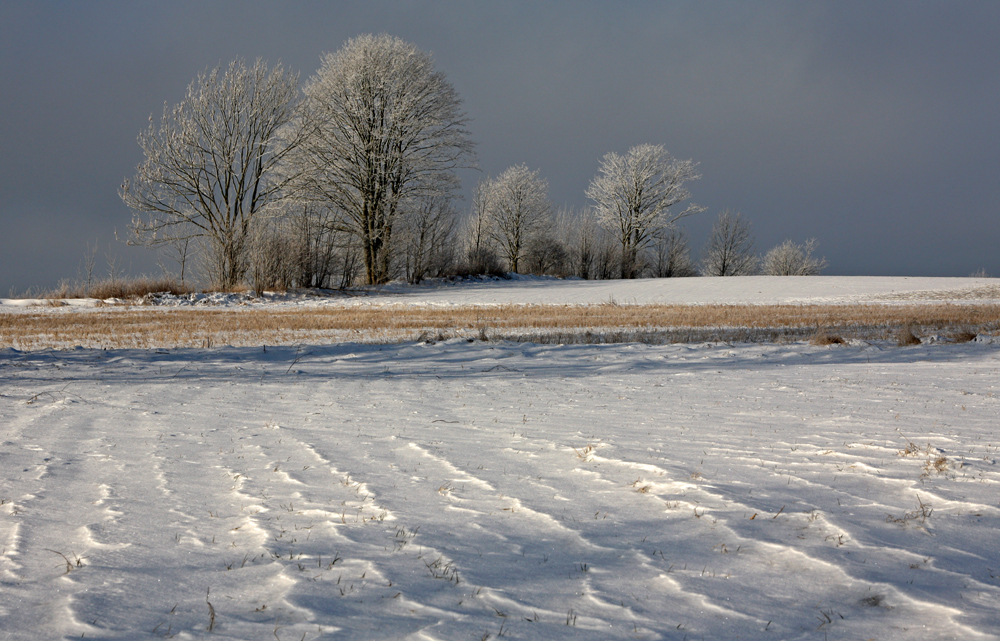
547,290
462,489
688,291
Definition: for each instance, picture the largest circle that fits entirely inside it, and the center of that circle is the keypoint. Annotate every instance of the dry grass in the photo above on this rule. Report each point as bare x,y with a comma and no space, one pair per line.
120,288
824,337
905,336
144,327
937,465
964,335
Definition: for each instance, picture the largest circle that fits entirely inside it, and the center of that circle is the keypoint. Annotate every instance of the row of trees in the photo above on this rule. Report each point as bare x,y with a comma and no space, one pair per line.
628,233
354,179
730,252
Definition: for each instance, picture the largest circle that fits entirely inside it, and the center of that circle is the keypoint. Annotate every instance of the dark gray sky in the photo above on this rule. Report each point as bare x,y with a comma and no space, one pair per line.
872,126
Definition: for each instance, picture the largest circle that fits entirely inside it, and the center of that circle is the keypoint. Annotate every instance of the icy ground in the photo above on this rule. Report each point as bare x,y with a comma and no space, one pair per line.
482,490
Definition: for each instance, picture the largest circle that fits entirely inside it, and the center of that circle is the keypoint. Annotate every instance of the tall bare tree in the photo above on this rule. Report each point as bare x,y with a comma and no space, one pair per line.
633,195
209,170
518,205
382,127
730,247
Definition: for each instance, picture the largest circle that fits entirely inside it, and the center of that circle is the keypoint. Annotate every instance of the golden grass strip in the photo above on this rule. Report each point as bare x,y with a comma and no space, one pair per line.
143,327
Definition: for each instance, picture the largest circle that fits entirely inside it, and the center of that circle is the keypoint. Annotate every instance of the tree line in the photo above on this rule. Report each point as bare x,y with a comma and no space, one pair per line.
352,179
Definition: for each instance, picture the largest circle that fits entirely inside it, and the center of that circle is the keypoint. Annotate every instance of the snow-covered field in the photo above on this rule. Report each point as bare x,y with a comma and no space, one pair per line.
478,490
668,291
694,291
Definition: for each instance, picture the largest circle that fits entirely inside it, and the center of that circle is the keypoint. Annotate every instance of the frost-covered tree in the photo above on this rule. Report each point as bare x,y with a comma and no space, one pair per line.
730,247
633,195
210,165
383,127
791,259
518,206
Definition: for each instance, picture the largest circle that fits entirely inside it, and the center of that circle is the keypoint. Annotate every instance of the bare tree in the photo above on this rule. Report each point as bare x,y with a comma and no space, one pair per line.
730,247
383,127
428,236
633,195
181,249
671,255
271,256
210,165
579,234
790,259
302,248
480,254
317,244
518,206
607,263
114,263
89,261
545,255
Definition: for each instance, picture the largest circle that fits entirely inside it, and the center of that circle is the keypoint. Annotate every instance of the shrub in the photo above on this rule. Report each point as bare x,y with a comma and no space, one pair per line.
790,259
823,337
905,336
481,262
545,256
963,336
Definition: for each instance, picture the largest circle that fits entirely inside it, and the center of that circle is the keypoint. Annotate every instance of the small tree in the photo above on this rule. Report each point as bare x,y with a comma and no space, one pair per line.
730,247
271,263
671,256
316,244
479,253
180,249
545,255
89,261
210,166
517,206
428,238
790,259
607,262
581,238
633,195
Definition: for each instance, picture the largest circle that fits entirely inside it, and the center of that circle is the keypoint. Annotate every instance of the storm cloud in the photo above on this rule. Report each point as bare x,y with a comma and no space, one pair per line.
871,127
